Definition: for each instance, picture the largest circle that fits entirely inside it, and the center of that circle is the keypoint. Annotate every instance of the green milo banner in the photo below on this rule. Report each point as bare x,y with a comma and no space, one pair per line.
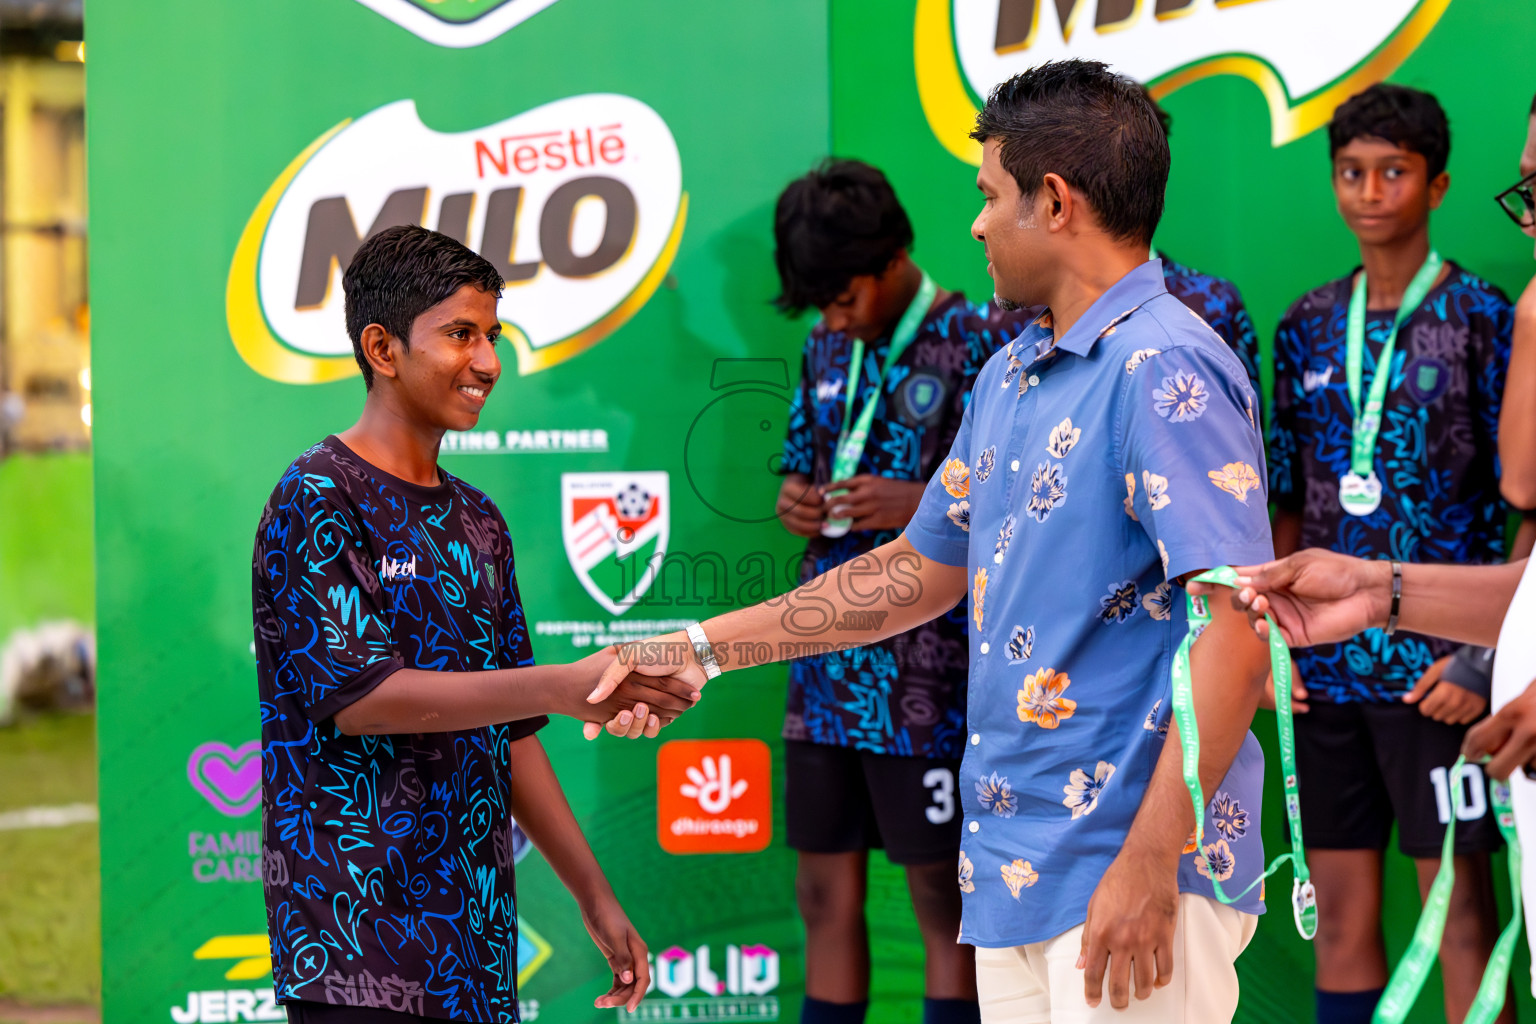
618,162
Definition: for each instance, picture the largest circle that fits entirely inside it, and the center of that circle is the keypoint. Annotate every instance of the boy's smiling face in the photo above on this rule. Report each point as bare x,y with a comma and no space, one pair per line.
1383,190
445,376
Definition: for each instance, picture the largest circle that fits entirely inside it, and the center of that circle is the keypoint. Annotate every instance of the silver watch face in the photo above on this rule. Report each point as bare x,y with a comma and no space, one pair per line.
703,653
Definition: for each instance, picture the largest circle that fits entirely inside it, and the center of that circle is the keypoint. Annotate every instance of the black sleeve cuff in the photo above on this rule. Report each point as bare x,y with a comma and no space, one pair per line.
355,689
525,727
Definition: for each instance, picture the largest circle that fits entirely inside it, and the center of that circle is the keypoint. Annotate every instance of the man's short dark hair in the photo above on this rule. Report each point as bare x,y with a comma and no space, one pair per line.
838,222
399,274
1163,117
1100,131
1397,114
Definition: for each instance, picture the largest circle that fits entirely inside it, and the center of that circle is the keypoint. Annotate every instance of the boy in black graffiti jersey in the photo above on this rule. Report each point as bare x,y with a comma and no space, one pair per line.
1385,719
873,736
399,699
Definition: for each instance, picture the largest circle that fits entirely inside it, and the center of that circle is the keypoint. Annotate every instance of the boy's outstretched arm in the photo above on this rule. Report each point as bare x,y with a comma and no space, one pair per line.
418,700
540,808
877,595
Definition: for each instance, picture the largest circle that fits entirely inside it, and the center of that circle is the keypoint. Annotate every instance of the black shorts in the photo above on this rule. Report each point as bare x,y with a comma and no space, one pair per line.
839,800
1360,766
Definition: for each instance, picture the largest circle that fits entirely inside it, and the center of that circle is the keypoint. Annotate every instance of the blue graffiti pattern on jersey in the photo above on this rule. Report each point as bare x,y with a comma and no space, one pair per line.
1219,304
1436,456
906,695
387,859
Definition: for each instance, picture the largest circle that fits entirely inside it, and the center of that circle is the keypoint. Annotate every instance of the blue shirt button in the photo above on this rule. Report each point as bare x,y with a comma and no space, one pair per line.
975,826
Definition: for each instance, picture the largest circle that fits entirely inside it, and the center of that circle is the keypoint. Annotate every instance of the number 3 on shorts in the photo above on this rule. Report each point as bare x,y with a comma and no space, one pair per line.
941,781
1474,797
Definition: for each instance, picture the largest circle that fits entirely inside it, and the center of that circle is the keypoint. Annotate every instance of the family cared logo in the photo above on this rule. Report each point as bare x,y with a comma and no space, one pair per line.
1306,56
578,203
227,777
458,22
713,796
615,527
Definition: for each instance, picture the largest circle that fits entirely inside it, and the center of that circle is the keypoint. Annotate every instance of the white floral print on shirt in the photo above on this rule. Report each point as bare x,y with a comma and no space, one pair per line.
1083,789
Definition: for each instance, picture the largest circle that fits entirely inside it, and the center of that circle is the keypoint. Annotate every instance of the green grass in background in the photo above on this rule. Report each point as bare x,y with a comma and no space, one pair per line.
50,888
46,552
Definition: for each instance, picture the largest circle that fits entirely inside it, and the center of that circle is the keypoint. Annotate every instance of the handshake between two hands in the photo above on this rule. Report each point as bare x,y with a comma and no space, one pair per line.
638,688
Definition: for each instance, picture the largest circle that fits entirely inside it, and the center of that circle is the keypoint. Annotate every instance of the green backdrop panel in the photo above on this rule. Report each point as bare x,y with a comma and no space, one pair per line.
197,112
1243,208
679,368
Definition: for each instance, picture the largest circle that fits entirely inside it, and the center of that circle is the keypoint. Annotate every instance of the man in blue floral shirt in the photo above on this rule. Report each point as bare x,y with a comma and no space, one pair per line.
1106,455
873,735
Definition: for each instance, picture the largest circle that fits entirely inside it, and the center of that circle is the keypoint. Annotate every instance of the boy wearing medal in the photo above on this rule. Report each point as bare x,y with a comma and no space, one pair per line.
1384,442
873,736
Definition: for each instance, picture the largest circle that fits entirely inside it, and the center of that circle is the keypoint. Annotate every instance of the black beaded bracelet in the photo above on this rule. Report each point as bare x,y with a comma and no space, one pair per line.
1397,596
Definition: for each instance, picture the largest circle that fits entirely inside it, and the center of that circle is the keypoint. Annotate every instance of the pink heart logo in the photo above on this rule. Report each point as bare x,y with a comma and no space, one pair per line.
230,779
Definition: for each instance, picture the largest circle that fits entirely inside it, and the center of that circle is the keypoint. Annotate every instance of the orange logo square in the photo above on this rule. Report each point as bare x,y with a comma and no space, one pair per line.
714,796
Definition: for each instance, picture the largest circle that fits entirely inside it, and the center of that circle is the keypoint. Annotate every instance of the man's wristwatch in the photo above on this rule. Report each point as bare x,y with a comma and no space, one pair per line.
702,651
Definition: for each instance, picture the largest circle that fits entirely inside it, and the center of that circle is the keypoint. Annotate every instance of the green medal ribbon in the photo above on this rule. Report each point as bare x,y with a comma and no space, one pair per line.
1412,971
1303,896
1360,490
855,435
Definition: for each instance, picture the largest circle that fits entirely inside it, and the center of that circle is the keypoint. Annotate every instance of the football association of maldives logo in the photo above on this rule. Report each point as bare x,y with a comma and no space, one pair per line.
578,203
615,527
1306,56
458,22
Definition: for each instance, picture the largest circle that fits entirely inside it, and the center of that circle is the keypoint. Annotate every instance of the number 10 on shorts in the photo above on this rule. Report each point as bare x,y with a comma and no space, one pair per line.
1474,793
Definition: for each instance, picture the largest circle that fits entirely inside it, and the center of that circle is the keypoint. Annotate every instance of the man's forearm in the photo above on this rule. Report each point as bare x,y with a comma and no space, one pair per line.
869,598
417,700
1517,412
543,813
1227,669
1458,602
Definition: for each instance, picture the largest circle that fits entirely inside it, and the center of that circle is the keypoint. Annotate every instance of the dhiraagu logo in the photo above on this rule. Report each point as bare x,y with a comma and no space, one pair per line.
1306,56
579,203
457,22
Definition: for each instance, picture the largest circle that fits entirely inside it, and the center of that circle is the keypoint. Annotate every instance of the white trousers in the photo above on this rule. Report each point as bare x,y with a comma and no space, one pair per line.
1041,984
